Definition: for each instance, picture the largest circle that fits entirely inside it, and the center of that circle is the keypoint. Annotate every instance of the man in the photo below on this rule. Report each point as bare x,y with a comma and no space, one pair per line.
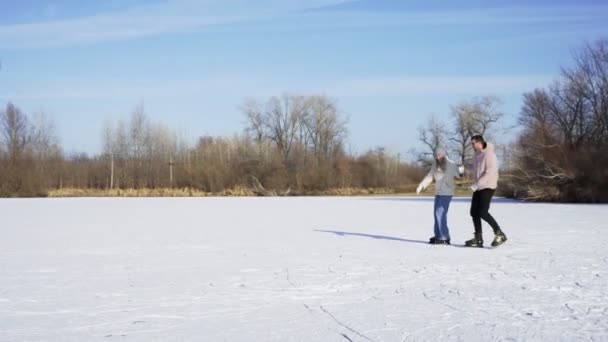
485,179
442,172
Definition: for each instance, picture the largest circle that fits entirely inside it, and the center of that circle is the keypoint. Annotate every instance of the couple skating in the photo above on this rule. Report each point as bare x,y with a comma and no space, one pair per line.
485,178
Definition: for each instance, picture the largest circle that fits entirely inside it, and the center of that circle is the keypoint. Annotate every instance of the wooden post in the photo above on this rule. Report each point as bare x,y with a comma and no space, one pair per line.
170,171
112,171
398,170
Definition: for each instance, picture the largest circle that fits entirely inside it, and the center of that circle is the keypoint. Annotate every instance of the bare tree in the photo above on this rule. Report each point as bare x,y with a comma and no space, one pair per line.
462,132
15,132
561,152
325,129
433,136
584,93
485,113
255,120
308,134
45,150
116,148
43,137
24,144
281,120
476,116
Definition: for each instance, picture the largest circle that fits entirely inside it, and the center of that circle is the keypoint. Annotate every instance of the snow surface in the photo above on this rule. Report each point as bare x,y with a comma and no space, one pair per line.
297,269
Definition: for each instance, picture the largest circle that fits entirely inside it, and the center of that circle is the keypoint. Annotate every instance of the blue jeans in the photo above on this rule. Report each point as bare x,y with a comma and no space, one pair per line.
442,205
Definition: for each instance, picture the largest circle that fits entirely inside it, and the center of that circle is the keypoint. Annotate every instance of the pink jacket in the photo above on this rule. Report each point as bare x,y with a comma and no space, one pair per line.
485,168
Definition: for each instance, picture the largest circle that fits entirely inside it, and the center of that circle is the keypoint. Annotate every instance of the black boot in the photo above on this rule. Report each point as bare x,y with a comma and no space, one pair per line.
435,241
477,241
499,238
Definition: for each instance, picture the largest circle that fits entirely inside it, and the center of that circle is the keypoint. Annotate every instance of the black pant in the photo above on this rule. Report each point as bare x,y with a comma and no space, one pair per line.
480,206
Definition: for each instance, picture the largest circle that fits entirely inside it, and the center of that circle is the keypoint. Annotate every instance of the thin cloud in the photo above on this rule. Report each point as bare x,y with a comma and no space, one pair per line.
502,16
267,15
398,86
142,87
168,17
258,86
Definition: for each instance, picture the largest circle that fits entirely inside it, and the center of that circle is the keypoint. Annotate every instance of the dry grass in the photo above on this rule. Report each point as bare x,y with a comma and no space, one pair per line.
163,192
358,192
242,191
189,192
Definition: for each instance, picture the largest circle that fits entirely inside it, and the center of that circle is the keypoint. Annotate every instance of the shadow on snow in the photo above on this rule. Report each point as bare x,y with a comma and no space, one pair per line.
379,237
390,238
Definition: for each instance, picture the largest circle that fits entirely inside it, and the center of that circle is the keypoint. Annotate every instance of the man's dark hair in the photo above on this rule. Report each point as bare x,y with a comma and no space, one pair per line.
479,138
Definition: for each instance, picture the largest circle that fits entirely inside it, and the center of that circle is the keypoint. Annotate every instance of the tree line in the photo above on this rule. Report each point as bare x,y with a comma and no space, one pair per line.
293,144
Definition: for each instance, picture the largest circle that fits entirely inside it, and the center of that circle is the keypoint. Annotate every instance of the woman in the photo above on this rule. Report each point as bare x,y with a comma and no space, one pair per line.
442,172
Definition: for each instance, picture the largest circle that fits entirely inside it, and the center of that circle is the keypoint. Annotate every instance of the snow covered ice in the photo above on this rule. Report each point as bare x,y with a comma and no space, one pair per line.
297,269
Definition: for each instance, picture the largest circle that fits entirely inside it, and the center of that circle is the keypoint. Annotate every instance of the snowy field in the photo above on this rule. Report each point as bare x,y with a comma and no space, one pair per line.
297,269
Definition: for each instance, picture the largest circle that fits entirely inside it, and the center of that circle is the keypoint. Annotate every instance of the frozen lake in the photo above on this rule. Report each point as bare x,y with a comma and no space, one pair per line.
297,269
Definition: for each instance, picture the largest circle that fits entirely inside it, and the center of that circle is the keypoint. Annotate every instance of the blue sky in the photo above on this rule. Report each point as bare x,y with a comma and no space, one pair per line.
389,64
